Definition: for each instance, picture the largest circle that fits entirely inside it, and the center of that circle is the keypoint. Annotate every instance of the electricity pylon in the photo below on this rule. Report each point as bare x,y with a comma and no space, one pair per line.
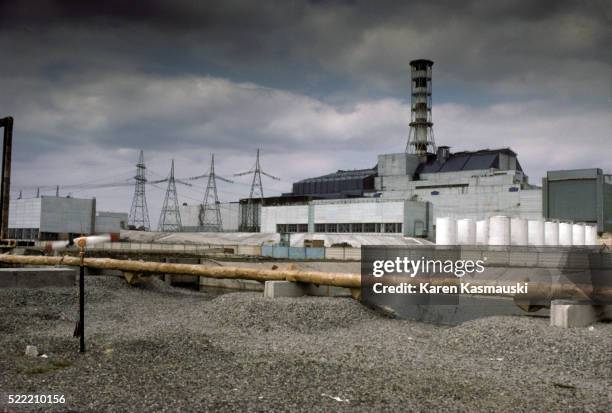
249,217
210,212
139,212
170,218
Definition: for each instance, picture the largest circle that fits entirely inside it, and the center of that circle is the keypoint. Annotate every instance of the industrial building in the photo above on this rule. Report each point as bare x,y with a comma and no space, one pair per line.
405,192
54,218
476,185
392,196
582,195
358,215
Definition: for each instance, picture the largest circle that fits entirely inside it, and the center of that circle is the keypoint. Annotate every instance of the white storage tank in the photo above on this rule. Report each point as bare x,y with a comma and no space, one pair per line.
565,234
466,232
590,235
499,230
578,234
535,232
551,234
446,231
482,232
518,231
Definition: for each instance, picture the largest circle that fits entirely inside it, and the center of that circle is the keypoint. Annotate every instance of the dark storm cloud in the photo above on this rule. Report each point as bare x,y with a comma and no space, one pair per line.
306,81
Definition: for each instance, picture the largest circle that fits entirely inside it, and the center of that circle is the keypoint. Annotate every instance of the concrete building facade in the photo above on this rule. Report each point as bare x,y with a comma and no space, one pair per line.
350,215
53,218
473,185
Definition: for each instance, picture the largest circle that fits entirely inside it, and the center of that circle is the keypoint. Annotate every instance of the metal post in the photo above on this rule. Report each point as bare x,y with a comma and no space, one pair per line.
82,301
5,192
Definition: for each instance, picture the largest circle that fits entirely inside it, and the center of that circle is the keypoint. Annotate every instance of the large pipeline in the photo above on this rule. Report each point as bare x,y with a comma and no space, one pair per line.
323,278
538,291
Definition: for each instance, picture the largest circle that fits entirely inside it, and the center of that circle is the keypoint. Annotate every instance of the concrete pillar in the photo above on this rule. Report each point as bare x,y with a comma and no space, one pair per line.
277,289
571,313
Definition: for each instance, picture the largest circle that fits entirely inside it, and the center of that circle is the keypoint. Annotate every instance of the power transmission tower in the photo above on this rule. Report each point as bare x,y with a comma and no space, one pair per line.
210,212
249,219
139,212
57,191
170,218
37,192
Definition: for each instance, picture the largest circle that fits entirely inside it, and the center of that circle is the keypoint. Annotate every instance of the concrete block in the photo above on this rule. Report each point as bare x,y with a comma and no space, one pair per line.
569,313
277,289
31,351
36,277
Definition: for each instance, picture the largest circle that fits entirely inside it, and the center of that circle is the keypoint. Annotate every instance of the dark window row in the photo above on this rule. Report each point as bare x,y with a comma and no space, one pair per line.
291,228
390,227
23,233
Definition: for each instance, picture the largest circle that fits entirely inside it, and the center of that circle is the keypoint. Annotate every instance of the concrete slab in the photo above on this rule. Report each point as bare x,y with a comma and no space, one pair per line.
570,313
37,277
277,289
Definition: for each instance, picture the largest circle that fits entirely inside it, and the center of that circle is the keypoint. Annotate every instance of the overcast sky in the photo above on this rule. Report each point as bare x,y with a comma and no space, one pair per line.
318,86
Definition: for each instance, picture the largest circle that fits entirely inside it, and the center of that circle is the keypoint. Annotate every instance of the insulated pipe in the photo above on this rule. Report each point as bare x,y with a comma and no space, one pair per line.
537,290
324,278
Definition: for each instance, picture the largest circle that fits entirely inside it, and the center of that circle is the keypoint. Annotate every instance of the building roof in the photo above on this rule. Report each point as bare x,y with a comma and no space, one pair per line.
468,161
340,184
342,174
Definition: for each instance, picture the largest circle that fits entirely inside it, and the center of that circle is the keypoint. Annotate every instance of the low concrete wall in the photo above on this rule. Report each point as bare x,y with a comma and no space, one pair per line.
36,277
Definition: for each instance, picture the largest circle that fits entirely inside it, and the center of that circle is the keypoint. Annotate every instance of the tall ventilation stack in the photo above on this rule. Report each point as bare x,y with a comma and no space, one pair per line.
421,137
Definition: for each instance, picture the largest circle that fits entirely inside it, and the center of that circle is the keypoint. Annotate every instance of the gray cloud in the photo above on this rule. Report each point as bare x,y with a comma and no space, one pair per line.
317,85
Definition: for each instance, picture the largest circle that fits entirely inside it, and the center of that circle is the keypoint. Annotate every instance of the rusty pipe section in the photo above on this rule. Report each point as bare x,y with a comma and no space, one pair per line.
323,278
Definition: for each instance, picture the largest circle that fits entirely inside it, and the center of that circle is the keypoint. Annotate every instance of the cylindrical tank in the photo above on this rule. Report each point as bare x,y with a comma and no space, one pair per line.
535,232
551,234
446,231
518,231
482,232
565,234
578,234
590,235
499,230
466,232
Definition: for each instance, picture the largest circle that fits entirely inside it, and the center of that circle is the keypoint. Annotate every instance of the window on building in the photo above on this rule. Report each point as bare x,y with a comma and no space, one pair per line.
280,228
369,227
292,228
344,227
357,227
319,227
393,227
302,227
331,228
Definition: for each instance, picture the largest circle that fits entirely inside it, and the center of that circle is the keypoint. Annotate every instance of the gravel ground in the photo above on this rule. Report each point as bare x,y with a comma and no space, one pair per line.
159,348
